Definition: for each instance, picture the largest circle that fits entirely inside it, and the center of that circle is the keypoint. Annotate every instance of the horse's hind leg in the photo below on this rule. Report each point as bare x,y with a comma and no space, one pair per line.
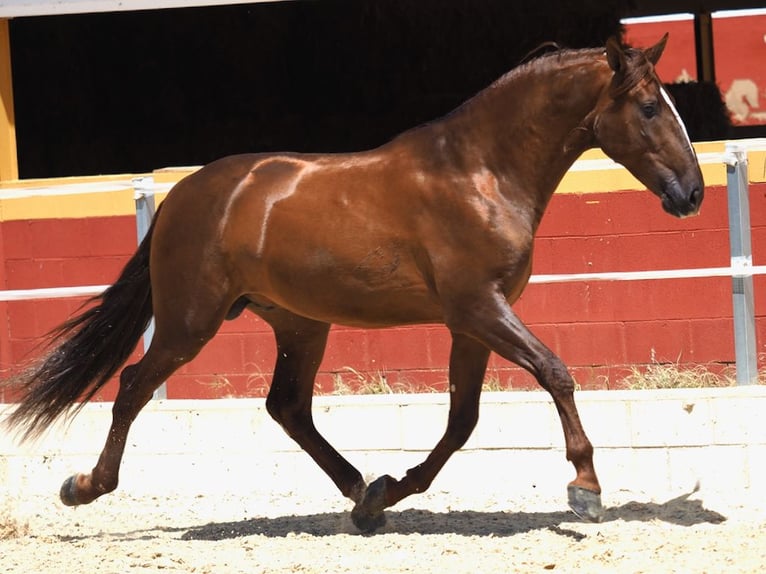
300,347
137,383
468,363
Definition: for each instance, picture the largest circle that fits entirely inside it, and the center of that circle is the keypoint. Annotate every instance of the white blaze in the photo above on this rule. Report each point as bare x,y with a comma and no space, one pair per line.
673,109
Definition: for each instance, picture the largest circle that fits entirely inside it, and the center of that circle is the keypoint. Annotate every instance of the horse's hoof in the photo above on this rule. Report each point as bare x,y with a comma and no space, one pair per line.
366,522
368,514
67,492
585,503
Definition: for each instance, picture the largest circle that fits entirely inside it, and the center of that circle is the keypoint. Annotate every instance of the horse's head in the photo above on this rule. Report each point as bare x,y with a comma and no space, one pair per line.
637,125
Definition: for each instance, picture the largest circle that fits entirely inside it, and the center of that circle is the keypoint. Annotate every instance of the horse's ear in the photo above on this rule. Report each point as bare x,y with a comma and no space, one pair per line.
615,56
653,54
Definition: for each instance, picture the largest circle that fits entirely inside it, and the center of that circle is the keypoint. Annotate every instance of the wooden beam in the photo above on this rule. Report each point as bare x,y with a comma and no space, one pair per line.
9,167
19,8
703,39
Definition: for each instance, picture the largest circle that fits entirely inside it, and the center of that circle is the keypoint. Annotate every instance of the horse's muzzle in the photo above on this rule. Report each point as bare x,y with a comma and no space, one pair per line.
682,202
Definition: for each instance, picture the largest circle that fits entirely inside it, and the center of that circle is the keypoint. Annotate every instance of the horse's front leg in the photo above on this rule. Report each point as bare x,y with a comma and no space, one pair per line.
494,323
468,363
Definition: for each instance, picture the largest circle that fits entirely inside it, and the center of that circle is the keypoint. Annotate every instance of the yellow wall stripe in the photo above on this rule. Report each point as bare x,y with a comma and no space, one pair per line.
103,196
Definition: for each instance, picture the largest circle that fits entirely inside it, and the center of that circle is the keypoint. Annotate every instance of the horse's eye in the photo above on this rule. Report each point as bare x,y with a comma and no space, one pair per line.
649,109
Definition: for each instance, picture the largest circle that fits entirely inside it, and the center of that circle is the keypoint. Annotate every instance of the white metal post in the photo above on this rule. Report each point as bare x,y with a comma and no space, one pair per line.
741,263
145,208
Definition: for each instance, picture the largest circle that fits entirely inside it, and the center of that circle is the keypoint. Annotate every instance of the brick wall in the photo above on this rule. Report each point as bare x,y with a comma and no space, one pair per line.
599,329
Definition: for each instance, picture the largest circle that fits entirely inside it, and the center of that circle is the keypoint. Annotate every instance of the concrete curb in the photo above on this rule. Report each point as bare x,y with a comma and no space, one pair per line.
666,440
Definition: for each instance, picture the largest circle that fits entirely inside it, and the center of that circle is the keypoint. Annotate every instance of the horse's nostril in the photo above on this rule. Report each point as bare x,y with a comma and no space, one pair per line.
695,198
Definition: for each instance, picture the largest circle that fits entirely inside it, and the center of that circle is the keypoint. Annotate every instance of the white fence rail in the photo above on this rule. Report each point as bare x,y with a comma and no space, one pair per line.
741,269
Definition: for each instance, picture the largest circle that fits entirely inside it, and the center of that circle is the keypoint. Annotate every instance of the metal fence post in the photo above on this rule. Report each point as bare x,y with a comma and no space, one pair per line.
145,208
741,263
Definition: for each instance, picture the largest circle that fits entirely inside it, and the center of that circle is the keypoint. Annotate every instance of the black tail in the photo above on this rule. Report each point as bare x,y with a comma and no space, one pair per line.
86,350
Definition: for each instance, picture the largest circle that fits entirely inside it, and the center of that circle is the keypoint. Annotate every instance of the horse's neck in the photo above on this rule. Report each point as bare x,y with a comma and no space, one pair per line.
534,126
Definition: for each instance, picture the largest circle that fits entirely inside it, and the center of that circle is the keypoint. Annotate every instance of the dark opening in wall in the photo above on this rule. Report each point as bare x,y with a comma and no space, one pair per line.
135,91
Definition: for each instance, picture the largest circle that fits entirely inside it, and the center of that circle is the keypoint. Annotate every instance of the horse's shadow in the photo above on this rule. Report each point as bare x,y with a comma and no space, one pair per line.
680,511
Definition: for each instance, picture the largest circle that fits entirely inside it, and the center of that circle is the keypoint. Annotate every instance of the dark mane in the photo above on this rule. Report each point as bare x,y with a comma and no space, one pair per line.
547,60
638,69
544,48
540,61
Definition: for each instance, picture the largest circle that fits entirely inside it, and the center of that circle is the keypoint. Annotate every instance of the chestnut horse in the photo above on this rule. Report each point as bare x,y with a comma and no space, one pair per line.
435,226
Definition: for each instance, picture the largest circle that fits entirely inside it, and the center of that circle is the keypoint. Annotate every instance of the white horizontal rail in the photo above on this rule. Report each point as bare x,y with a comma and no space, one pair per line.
733,271
581,165
23,8
76,189
51,293
93,187
601,164
706,158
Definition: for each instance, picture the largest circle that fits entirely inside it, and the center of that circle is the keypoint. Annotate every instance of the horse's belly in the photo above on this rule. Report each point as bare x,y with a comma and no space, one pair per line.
342,296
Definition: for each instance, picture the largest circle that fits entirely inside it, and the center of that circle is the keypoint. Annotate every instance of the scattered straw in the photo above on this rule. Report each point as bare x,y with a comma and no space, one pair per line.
675,376
10,526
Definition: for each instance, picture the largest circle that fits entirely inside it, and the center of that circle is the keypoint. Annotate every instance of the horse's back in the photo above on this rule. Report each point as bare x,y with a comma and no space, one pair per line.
202,203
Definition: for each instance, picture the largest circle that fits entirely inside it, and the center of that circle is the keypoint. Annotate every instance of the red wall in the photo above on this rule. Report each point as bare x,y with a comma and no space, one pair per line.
739,47
597,328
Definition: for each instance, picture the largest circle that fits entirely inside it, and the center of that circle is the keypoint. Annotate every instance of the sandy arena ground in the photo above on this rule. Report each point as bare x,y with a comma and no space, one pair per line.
438,532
